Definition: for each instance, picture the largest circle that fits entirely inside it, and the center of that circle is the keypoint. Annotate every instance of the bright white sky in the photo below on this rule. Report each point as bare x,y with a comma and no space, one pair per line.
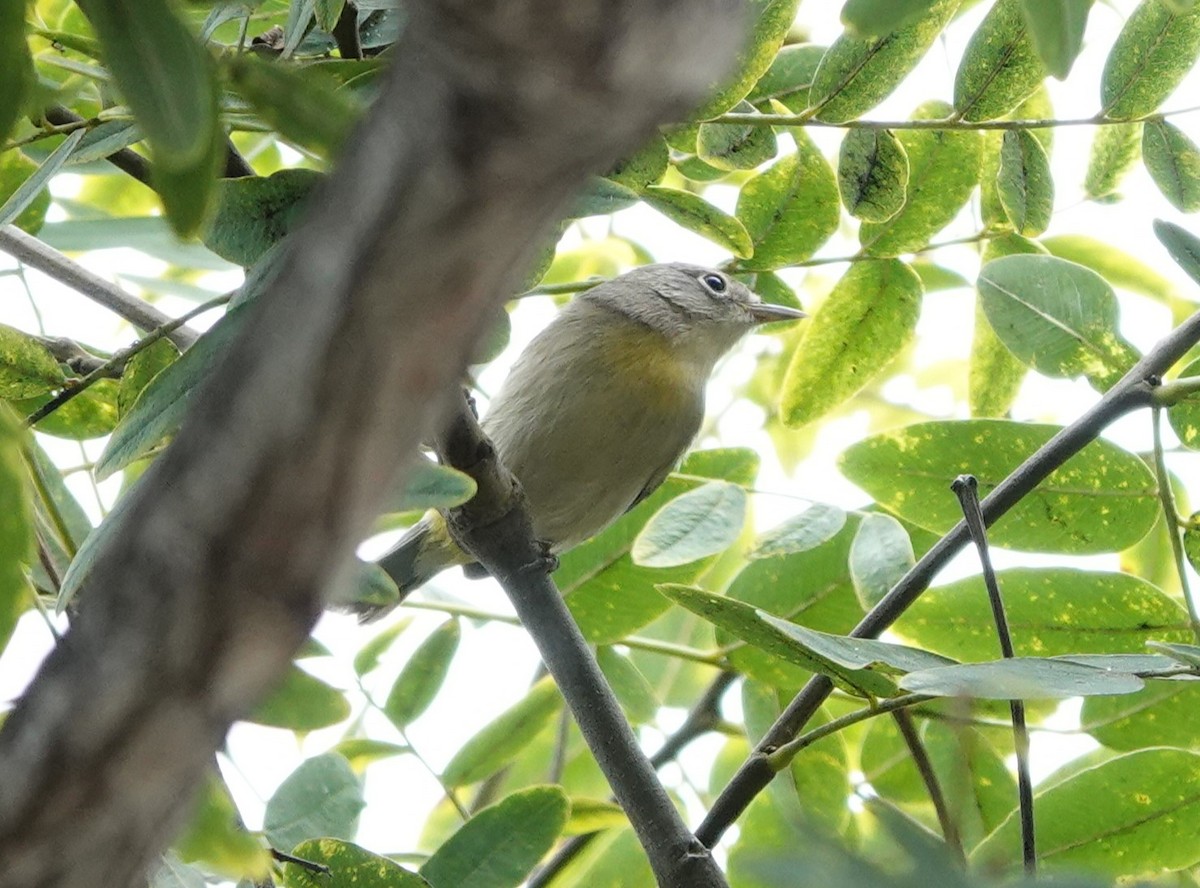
495,663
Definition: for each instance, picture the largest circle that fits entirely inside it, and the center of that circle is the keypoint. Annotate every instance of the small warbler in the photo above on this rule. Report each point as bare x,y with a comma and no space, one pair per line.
601,405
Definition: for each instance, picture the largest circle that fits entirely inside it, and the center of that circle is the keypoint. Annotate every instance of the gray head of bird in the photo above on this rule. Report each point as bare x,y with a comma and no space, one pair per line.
702,311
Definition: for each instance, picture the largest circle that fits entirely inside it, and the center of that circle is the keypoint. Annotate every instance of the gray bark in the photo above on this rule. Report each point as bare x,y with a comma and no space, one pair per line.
491,116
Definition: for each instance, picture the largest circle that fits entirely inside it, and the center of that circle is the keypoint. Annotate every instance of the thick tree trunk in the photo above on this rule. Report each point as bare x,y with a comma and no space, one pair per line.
492,115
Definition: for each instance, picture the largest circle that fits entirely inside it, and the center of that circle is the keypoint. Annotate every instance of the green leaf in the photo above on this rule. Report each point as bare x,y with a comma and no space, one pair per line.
368,655
593,815
328,12
857,653
362,751
322,797
1183,246
1116,266
301,703
428,485
16,65
31,189
1025,184
995,375
1131,815
1058,317
789,77
503,738
866,320
158,411
16,526
488,852
751,626
1020,678
307,111
790,209
1149,58
1051,611
1103,499
872,174
812,527
1057,27
1115,150
16,171
88,415
166,76
369,587
772,20
736,147
811,587
27,368
256,212
857,73
608,595
1166,713
879,556
645,167
943,169
602,196
422,676
1184,417
216,836
699,523
1173,161
999,68
696,214
630,686
350,867
149,234
141,369
878,18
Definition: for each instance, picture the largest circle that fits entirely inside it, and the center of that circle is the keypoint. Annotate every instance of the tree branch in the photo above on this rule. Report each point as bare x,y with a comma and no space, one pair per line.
226,549
495,527
32,252
1134,390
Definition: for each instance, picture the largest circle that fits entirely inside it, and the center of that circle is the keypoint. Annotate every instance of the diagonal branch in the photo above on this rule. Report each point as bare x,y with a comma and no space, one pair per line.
495,527
1134,390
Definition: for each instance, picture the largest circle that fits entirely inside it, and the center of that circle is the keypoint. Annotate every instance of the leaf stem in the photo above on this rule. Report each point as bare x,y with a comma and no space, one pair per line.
782,756
805,118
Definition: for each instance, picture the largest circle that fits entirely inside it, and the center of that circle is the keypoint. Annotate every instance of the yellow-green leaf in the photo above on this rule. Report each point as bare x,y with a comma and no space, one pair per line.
999,68
872,174
1152,54
1173,161
698,215
857,73
859,328
1024,183
943,169
1115,149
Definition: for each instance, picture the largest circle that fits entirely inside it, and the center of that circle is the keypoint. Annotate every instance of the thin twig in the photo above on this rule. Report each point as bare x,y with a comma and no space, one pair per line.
345,32
28,249
1166,498
782,756
933,786
1135,390
125,159
806,119
117,362
966,488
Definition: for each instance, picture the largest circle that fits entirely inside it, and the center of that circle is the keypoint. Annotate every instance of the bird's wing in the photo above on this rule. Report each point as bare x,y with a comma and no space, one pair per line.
657,478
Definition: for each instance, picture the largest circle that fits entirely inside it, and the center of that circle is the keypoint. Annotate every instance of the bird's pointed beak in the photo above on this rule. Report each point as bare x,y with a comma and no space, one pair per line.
766,312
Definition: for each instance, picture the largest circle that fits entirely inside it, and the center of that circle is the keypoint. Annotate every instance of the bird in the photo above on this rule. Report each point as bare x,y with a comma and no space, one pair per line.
600,406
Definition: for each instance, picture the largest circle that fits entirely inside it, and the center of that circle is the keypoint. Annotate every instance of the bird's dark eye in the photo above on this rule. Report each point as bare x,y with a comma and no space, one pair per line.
714,282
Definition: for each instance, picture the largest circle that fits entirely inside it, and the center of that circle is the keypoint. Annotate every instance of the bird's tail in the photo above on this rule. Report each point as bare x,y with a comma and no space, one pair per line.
425,550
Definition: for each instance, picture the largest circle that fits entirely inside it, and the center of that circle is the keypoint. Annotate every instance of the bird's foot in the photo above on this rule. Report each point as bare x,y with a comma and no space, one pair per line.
545,561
